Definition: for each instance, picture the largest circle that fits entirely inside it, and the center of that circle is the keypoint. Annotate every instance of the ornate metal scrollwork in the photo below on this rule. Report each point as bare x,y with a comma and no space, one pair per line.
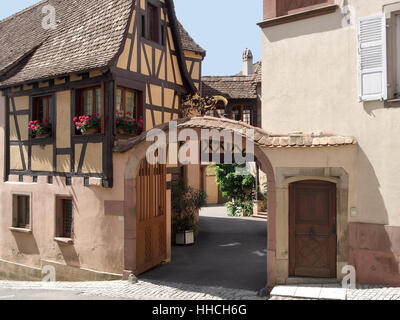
194,105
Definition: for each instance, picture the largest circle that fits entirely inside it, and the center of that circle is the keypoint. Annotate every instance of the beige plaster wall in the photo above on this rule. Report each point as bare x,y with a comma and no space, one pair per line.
98,239
98,236
311,86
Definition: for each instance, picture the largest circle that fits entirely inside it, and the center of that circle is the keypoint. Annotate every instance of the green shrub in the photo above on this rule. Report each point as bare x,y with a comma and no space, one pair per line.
239,188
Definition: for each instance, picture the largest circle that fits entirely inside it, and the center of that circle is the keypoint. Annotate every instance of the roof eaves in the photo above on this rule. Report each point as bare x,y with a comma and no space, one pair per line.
181,61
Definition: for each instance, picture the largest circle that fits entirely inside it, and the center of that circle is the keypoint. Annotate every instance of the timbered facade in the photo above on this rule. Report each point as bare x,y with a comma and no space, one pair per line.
157,62
102,59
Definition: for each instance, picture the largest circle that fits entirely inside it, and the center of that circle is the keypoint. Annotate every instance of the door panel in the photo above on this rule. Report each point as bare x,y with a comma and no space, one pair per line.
151,246
312,229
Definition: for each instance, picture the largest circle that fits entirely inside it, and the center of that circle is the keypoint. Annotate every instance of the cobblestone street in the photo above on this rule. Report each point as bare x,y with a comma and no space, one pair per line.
143,290
363,292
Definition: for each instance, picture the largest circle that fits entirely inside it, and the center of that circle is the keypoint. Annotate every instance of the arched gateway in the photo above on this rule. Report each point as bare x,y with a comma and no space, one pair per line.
138,230
284,159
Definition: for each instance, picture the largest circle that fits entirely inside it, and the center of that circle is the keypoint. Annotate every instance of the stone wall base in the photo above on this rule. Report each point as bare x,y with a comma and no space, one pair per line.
375,253
18,272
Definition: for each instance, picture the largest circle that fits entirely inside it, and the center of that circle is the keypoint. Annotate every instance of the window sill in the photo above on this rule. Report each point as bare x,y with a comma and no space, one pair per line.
299,16
20,230
156,44
64,240
393,103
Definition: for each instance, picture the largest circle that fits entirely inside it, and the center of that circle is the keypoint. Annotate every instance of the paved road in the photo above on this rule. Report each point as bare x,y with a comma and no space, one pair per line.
229,252
227,262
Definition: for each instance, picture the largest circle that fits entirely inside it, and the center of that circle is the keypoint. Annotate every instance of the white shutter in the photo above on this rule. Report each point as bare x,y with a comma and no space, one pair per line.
372,59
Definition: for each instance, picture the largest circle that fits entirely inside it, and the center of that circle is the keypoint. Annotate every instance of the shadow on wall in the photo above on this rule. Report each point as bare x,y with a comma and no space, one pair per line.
70,256
374,248
370,201
229,253
371,106
26,243
321,24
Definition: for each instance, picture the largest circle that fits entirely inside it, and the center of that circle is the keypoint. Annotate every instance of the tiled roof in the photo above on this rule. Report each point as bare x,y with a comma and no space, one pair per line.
187,41
233,87
88,36
236,87
261,137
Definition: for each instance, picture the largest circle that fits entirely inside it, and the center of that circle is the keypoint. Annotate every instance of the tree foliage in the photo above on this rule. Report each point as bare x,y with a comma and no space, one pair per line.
237,187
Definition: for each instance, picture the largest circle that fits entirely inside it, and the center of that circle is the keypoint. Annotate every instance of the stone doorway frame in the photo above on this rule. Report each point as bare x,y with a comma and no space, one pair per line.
287,176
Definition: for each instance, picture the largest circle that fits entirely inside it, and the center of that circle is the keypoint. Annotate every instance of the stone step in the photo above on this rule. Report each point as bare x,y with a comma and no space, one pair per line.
258,216
310,291
301,280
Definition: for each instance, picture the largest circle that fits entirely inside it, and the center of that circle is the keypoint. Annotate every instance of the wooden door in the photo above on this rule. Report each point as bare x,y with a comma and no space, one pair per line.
312,229
151,246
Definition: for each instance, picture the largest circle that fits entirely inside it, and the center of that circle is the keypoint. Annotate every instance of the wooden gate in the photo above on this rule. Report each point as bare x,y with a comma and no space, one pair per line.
312,229
151,246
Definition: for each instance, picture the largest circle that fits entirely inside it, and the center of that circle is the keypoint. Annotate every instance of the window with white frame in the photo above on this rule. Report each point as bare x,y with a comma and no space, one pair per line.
372,58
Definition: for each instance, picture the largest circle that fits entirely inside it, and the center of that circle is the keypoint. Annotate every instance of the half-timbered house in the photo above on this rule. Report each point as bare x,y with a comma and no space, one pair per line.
62,192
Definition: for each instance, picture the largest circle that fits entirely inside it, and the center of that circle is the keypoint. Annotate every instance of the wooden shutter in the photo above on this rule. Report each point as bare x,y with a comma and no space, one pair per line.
372,59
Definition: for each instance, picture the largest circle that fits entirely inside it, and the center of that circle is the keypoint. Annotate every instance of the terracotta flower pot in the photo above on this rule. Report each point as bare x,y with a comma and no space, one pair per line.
123,132
42,135
91,131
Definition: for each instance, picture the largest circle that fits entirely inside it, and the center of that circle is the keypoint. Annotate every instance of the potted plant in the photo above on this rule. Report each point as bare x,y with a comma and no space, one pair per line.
186,202
88,124
128,125
40,129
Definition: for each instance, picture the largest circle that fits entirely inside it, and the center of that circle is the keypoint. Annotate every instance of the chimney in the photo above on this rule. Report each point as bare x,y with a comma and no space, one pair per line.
247,63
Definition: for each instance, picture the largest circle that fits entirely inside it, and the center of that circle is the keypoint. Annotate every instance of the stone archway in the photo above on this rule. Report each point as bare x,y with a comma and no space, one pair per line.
137,150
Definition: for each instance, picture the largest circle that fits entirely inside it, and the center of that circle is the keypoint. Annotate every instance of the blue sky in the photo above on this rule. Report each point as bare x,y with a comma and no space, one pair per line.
223,27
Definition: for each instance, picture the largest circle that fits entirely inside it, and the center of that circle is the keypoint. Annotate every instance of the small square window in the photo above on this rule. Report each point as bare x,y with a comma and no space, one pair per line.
153,20
64,218
42,108
40,124
21,211
89,103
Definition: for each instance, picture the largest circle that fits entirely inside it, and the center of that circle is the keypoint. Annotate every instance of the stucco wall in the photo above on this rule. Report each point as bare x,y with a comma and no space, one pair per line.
98,233
98,238
311,86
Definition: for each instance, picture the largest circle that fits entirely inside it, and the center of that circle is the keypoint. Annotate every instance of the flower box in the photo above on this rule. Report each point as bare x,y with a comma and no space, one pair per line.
40,129
90,131
88,124
127,125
